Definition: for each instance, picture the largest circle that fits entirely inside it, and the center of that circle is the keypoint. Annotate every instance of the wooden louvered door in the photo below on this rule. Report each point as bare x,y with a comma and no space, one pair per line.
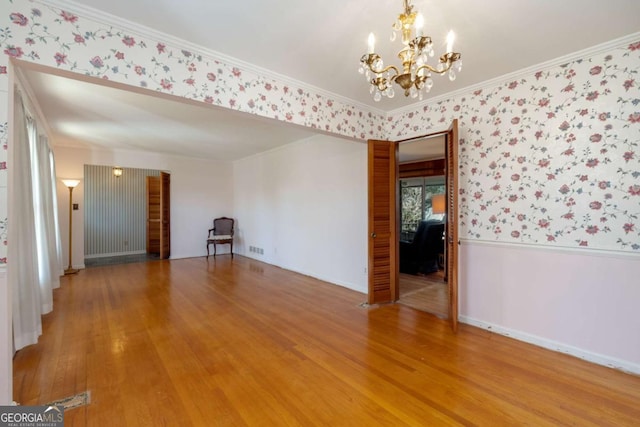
383,235
165,215
452,221
153,215
159,215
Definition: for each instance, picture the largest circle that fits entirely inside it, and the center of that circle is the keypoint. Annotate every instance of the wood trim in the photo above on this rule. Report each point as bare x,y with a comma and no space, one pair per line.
153,214
434,167
165,215
452,221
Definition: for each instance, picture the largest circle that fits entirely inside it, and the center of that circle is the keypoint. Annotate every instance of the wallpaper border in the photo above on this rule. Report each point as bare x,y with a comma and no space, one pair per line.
125,24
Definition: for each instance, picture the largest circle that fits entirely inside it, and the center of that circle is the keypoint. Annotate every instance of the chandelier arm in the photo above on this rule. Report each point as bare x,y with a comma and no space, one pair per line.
385,69
433,69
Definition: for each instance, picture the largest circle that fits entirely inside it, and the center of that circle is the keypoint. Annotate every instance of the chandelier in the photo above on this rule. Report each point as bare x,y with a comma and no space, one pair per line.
416,76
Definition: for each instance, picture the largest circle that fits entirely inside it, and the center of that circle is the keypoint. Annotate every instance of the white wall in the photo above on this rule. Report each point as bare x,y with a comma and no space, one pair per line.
585,304
305,205
200,191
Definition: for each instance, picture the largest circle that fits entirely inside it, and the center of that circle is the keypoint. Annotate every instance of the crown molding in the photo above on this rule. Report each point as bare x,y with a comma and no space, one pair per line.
584,53
133,27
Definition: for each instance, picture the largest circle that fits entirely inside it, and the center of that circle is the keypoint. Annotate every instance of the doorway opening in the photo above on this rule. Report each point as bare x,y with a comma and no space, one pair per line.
422,188
116,214
384,222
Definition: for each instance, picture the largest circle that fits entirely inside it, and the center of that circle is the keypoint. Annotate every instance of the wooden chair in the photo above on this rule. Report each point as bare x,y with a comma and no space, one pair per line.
221,233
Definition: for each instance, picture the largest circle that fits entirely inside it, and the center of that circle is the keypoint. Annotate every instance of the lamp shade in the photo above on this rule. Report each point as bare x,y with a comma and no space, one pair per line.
71,183
438,204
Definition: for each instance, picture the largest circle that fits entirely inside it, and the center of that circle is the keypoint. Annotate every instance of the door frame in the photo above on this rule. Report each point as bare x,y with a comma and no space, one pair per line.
161,185
451,261
165,215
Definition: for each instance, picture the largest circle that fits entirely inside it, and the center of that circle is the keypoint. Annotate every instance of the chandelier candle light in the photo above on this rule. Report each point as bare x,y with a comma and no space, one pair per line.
415,77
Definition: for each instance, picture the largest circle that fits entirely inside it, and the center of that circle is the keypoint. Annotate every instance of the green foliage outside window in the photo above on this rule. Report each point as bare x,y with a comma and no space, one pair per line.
416,206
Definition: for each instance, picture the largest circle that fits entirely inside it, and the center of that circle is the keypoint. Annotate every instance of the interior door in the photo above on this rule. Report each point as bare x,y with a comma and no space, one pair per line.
159,215
165,215
153,215
383,233
452,221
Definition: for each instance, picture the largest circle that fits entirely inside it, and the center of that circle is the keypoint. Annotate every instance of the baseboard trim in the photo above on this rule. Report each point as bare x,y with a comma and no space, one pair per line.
110,254
588,356
332,281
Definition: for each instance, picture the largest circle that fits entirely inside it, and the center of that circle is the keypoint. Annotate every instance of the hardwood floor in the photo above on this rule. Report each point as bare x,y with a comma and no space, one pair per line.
237,342
426,293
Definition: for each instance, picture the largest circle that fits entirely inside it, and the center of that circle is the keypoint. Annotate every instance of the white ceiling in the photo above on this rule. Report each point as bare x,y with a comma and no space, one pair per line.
320,43
81,114
422,149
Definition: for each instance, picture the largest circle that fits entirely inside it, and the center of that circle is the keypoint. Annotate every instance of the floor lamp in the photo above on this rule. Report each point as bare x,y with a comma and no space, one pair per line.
71,184
438,205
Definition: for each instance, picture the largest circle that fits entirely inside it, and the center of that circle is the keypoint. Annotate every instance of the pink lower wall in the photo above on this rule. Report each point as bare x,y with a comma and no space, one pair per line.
585,304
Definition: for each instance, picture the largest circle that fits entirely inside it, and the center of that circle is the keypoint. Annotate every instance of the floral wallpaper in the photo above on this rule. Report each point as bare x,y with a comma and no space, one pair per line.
551,158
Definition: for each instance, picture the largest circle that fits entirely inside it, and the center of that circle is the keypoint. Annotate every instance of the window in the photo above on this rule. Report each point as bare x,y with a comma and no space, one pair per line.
415,202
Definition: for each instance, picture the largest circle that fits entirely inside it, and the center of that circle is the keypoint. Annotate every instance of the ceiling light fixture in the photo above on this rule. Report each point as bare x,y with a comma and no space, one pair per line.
415,78
117,172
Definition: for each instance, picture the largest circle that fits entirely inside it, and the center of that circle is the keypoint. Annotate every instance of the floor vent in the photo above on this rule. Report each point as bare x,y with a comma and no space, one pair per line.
72,402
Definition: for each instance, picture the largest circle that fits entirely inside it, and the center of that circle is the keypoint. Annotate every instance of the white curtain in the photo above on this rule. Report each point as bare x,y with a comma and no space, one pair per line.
57,262
45,221
22,265
34,255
